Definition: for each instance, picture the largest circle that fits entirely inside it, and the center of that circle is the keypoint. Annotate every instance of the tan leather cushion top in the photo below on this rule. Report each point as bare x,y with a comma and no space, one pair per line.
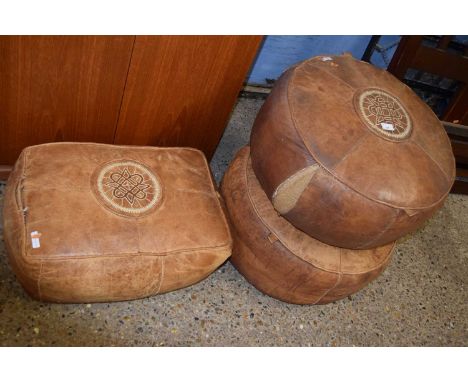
338,105
73,220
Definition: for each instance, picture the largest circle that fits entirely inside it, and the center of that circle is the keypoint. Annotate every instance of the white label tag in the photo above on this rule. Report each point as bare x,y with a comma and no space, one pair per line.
387,126
35,241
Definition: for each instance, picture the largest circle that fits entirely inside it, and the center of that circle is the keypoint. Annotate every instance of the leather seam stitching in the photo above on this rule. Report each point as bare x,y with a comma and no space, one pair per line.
338,280
39,277
108,255
387,227
162,275
314,64
137,225
374,268
433,160
24,221
353,148
152,148
218,202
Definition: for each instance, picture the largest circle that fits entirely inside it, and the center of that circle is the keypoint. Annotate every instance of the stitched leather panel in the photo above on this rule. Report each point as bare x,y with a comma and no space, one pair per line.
72,244
283,261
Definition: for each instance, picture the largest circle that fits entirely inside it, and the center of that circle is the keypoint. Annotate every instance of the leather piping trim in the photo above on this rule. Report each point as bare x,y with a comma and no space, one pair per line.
152,148
161,276
24,221
289,249
88,255
333,174
387,227
338,280
313,61
138,235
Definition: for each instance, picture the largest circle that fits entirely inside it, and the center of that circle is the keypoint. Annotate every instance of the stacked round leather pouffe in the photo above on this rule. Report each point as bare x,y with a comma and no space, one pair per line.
344,160
281,260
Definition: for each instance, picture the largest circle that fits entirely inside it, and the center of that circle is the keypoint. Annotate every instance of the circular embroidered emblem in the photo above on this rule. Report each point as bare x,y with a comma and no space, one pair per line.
383,114
127,188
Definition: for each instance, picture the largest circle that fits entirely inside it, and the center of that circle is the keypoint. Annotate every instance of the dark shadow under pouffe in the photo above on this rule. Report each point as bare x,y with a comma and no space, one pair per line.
282,261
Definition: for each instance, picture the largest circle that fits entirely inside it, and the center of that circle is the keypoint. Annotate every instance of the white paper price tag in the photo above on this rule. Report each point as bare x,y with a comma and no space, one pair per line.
387,126
35,241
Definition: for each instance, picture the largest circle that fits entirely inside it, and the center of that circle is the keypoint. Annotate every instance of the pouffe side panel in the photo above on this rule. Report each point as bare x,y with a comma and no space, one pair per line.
121,277
338,216
279,274
352,283
273,131
14,231
370,170
100,279
318,254
356,262
269,266
406,223
345,219
187,269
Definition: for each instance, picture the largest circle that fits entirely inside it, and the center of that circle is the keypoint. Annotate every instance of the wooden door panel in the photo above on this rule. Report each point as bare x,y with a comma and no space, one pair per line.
60,88
181,89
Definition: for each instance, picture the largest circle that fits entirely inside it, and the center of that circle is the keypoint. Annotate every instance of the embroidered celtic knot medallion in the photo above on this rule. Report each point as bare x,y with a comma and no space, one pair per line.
383,114
127,188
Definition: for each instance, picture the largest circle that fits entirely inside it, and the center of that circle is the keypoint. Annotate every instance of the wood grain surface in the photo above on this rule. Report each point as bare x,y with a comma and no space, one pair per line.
60,88
181,89
144,90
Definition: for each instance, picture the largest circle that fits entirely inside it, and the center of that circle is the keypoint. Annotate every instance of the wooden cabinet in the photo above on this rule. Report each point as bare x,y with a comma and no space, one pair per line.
138,90
58,88
180,91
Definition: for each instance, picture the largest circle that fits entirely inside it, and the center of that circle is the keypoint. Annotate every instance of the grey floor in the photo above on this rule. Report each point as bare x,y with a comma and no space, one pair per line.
421,299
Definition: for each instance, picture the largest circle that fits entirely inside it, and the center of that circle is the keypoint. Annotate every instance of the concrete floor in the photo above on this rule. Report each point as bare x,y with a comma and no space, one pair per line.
421,298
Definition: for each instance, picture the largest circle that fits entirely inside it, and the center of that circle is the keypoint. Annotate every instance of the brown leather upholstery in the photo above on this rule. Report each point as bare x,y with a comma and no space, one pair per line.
349,154
281,260
92,222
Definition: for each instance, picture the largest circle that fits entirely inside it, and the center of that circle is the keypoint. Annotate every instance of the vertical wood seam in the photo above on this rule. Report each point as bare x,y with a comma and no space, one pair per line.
123,90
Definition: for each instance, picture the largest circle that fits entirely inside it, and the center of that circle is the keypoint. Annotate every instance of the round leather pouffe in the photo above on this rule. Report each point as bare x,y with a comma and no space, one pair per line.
281,260
88,222
349,154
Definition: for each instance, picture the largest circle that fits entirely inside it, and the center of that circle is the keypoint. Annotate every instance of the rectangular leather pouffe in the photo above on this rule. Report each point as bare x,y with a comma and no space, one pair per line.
88,222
